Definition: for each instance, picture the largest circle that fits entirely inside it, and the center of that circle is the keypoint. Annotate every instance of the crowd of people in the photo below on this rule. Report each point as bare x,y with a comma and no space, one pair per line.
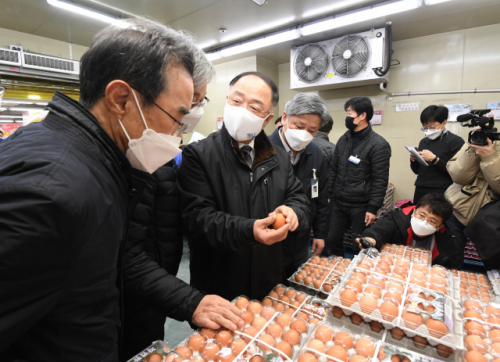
96,201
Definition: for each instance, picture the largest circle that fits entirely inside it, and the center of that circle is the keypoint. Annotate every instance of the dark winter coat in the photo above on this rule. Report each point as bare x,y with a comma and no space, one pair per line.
364,183
323,142
221,197
395,228
311,158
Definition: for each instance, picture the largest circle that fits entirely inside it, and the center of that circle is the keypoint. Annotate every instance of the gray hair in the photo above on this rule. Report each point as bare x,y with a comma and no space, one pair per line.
204,71
308,103
136,51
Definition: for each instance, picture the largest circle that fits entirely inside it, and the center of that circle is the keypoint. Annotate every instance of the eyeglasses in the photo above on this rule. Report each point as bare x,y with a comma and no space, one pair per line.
200,104
421,216
182,126
431,128
253,108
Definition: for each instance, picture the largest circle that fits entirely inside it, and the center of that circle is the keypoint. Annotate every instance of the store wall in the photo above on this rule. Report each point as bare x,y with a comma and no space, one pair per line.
40,44
270,69
450,61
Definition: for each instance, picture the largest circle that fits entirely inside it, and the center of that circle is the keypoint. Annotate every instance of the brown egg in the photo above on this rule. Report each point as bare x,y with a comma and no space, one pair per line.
365,347
275,330
285,348
242,303
494,335
273,294
254,307
196,342
386,259
377,282
367,261
381,354
184,352
412,320
292,336
284,320
358,358
418,282
250,331
327,287
225,355
368,304
343,339
438,288
492,311
268,313
154,357
268,339
420,342
421,268
389,311
338,352
317,345
472,305
280,221
307,357
314,321
208,333
398,277
356,319
376,326
436,328
402,263
210,351
337,312
443,350
299,325
237,346
195,358
354,285
495,322
300,297
324,334
473,314
302,315
385,268
290,293
247,317
284,299
267,301
393,297
475,343
373,291
290,311
359,277
475,328
308,281
317,284
223,339
397,333
475,356
348,297
495,350
400,271
259,323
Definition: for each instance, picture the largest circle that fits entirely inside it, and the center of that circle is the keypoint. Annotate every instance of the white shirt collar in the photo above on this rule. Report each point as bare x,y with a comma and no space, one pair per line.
251,144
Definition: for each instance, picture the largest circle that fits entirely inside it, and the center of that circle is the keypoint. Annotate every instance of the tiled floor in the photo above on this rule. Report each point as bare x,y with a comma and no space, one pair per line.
176,331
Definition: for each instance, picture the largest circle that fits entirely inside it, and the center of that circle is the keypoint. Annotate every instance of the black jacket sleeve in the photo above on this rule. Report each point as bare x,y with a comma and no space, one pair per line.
297,200
38,236
199,209
380,163
332,170
415,165
455,146
383,231
320,219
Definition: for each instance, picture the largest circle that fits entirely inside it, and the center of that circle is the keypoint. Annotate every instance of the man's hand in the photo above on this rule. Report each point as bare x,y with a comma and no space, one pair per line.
267,236
427,155
318,245
483,151
412,157
289,215
371,240
215,312
369,218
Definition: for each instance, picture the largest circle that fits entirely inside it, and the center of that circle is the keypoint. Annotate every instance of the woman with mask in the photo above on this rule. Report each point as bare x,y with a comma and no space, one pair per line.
421,226
437,148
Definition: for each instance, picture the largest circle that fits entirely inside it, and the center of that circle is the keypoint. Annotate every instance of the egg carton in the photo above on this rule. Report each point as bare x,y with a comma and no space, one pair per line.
397,353
281,298
326,339
332,273
469,286
161,348
408,252
482,328
494,276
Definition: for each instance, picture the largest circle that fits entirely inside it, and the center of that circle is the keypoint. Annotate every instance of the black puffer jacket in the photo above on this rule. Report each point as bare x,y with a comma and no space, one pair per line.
323,142
364,183
221,197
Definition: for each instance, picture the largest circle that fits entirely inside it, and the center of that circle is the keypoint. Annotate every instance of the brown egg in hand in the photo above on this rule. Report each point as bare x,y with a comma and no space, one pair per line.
279,222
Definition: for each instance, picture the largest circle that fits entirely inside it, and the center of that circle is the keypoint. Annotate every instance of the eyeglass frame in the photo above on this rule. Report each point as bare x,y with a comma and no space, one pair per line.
200,104
230,100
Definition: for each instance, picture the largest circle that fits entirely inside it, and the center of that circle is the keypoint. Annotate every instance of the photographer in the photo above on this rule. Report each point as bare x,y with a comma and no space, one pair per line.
475,171
438,146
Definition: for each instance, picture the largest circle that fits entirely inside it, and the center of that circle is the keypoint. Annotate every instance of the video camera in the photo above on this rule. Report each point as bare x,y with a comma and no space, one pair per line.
476,118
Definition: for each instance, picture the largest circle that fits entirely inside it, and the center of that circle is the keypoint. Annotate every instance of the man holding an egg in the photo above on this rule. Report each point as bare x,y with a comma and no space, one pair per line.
231,186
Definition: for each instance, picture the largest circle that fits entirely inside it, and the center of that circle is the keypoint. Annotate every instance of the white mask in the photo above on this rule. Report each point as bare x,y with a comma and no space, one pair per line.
241,124
298,139
152,150
192,118
422,227
432,134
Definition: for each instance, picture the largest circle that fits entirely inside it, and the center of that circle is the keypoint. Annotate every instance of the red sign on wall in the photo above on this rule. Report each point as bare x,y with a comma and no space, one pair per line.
9,128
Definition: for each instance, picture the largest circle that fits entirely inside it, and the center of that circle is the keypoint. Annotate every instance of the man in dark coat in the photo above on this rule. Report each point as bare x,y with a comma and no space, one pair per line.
358,175
231,186
304,114
67,193
421,226
323,142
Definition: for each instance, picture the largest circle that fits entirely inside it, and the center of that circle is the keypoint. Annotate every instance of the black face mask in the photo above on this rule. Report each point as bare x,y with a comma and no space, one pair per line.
349,123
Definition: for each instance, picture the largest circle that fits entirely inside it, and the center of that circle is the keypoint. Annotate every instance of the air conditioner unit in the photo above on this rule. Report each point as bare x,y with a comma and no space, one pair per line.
50,64
10,57
338,63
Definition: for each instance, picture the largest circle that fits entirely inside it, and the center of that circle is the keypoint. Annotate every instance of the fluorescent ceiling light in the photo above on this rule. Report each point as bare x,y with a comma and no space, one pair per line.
6,121
213,56
373,12
34,96
16,102
42,103
2,109
82,11
259,29
34,109
261,43
433,2
330,8
207,44
1,116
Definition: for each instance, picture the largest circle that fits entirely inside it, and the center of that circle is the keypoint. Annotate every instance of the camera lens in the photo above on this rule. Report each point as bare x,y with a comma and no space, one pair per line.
478,138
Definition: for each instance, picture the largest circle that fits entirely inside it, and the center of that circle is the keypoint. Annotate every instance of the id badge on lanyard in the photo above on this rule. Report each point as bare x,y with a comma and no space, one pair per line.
354,159
314,185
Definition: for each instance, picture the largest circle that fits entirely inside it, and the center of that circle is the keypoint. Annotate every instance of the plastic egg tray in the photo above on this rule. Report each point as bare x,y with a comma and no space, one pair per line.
283,298
494,276
398,354
474,286
329,343
408,252
481,330
320,275
160,348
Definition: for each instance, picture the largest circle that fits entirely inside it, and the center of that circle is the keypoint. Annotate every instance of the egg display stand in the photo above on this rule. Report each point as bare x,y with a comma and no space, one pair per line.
453,339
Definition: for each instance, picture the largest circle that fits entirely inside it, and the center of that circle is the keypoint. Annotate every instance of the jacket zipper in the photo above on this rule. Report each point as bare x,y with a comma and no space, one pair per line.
251,176
257,165
267,184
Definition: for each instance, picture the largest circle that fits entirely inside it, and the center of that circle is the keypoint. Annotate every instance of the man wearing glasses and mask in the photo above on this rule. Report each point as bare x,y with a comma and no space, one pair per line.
231,186
67,197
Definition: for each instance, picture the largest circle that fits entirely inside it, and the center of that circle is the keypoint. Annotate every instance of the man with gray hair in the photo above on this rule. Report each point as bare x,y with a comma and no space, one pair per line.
304,114
67,197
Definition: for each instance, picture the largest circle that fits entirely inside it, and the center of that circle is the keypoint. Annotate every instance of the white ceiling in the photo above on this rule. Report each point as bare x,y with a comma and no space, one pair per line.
204,18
